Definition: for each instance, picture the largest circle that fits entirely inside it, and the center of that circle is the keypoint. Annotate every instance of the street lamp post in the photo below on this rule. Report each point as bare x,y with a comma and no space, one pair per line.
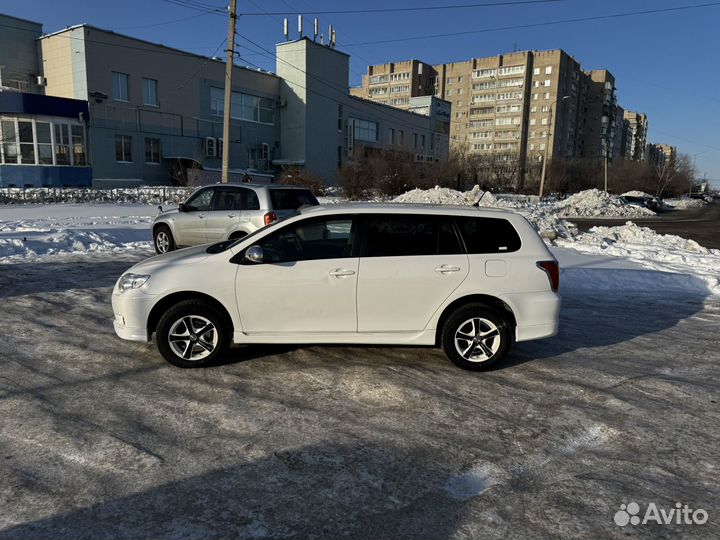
547,144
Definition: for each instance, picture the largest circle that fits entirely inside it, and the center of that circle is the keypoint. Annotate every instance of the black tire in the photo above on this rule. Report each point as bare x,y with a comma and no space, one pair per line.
163,240
485,319
199,315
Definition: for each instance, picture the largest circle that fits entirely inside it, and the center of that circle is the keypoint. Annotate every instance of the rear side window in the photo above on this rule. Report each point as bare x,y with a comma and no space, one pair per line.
291,199
488,235
407,235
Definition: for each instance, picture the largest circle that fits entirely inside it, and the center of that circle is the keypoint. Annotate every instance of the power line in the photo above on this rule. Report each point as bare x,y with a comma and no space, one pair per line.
173,21
402,9
197,6
538,24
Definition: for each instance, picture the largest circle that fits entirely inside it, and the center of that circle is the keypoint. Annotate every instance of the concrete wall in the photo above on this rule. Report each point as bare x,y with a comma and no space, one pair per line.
83,65
18,53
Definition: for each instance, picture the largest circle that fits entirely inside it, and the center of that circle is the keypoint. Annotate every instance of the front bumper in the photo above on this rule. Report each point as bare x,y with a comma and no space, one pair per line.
131,310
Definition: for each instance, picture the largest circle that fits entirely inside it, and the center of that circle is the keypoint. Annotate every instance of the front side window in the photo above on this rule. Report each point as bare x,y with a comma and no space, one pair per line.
327,238
408,235
120,86
152,150
202,201
488,235
123,148
236,199
150,96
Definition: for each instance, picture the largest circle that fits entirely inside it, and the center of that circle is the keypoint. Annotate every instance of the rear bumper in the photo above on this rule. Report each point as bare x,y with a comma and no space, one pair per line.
536,314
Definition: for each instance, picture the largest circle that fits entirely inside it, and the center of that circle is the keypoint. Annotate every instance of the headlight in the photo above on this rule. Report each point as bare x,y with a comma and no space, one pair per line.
131,281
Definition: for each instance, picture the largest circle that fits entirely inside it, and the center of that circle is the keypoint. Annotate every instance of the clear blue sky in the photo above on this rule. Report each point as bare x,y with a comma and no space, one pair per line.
666,64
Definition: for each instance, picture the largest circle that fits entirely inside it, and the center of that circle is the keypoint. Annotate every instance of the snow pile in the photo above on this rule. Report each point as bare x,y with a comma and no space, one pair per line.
64,241
636,193
661,252
440,195
595,203
684,203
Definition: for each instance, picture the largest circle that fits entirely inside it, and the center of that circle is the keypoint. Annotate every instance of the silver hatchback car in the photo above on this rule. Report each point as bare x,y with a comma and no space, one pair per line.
226,211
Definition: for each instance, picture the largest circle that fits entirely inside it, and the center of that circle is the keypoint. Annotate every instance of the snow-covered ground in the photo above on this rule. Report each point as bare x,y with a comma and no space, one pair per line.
38,230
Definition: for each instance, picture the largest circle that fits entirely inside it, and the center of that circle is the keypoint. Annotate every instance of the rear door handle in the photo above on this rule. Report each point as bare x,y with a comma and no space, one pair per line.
232,215
342,272
201,216
446,269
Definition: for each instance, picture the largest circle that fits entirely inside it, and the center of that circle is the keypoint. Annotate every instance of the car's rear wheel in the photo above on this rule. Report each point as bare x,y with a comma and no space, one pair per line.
192,334
163,240
476,337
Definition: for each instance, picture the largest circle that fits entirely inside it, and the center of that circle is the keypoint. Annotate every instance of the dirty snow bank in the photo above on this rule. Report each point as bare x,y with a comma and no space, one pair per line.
596,203
662,252
684,203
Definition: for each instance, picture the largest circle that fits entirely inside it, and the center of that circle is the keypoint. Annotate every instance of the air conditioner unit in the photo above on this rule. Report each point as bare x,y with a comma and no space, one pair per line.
220,147
41,81
211,147
265,151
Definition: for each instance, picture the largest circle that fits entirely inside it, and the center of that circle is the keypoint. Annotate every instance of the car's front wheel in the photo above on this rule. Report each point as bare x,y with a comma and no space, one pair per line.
476,337
163,240
192,334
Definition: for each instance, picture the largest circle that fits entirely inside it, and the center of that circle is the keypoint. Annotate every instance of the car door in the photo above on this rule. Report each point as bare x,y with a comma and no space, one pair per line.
190,223
232,210
410,264
307,282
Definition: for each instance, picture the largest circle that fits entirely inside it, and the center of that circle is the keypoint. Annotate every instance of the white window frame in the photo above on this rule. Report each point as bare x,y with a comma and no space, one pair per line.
146,97
116,91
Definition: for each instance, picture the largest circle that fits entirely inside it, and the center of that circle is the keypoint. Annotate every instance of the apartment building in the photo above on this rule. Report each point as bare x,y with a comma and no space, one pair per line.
635,135
512,108
599,118
658,155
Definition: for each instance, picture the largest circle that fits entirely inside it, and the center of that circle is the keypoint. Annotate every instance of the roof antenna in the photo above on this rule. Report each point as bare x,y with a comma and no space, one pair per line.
285,29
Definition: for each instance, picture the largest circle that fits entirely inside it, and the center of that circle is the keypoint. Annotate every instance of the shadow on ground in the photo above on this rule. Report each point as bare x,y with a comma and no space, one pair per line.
362,491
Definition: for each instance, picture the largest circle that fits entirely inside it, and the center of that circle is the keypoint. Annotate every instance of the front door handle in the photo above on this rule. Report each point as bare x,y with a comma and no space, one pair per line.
201,216
446,269
231,215
342,272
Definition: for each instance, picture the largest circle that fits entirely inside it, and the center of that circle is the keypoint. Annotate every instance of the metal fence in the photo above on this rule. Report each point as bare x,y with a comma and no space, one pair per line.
136,195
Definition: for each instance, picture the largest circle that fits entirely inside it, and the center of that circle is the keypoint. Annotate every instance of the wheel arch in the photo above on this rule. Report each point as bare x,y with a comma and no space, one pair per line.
490,301
170,300
159,224
238,233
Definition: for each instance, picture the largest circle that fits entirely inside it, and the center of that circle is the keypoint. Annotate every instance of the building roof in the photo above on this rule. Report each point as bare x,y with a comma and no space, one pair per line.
20,19
146,42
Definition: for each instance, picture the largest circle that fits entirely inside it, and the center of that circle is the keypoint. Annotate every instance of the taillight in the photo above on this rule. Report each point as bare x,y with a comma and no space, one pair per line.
270,217
553,272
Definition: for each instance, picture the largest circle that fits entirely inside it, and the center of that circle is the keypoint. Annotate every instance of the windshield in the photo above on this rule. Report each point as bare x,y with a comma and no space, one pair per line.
219,247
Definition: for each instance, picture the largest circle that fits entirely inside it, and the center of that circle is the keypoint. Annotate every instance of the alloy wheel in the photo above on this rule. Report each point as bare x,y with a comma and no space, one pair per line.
477,339
193,337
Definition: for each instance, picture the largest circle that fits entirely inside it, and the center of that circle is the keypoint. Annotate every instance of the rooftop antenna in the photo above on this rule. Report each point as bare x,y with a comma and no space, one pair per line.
300,31
330,30
285,29
322,39
315,29
332,39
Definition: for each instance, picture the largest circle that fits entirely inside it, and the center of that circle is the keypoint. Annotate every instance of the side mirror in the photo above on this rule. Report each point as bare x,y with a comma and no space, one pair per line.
181,207
254,254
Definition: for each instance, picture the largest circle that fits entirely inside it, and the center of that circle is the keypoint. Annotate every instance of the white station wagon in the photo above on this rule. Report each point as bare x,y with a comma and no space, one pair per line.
469,280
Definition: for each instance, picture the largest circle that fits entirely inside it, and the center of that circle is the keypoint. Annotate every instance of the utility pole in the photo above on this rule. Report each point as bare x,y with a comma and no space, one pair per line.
551,128
229,62
545,157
